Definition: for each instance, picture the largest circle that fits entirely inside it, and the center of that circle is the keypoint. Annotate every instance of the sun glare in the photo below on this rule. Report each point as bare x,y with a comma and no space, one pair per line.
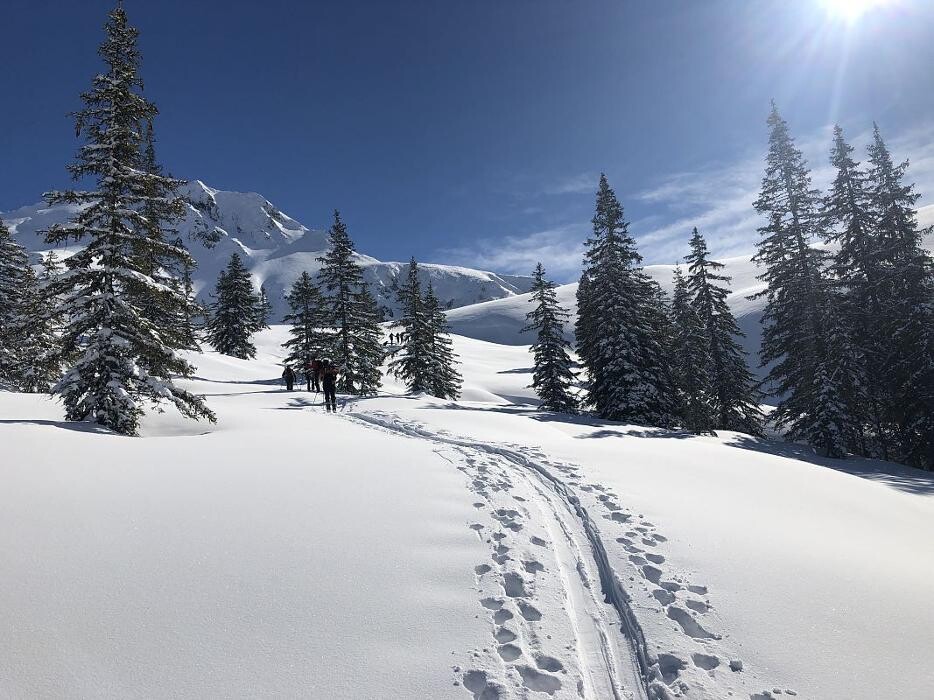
851,10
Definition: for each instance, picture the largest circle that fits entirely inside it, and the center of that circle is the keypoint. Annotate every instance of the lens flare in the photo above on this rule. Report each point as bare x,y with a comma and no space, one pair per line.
851,10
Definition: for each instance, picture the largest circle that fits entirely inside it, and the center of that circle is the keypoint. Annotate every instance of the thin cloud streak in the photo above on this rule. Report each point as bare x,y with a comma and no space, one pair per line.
559,249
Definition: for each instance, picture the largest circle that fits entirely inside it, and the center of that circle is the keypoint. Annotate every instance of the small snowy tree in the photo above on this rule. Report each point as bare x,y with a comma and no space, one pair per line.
732,387
691,361
265,307
14,270
235,313
308,335
123,358
444,379
37,331
353,312
552,377
413,365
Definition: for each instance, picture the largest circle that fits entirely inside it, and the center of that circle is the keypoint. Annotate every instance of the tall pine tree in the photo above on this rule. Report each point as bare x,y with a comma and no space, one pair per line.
309,335
732,387
413,365
444,379
691,361
552,377
353,312
618,324
235,313
14,269
859,279
792,337
908,306
125,359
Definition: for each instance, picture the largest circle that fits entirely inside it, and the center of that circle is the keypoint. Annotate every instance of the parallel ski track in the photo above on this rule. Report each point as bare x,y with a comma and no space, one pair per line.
613,590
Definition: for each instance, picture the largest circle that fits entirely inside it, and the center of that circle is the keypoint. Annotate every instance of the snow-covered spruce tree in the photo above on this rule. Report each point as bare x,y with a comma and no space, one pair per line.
908,306
732,387
36,333
235,313
14,269
308,335
552,377
860,281
353,313
265,307
413,365
369,352
124,361
691,361
444,379
792,336
618,317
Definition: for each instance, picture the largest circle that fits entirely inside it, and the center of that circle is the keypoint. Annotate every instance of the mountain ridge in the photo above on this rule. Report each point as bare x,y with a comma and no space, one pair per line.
275,248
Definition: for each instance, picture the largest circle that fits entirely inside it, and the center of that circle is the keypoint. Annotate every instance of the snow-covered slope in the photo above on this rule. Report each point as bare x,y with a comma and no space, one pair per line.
275,247
413,548
502,320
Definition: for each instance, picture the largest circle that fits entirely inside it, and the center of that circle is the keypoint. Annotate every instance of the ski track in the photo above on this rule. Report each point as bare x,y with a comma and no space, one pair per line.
533,653
603,662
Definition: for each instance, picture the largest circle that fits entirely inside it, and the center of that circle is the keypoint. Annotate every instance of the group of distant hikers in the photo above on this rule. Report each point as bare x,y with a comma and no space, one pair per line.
318,374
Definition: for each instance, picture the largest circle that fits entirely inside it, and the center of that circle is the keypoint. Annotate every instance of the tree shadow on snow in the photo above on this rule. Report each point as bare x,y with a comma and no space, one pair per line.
74,426
896,476
299,403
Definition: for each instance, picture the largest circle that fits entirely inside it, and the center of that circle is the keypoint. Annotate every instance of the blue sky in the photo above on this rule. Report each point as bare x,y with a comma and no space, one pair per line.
473,132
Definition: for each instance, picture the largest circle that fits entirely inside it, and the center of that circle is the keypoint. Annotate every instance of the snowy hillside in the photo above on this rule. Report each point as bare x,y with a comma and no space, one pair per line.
275,247
408,547
501,320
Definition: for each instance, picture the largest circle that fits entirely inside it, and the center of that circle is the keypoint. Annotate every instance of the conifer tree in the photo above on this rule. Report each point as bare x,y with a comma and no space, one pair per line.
369,355
792,337
352,310
36,333
552,377
265,307
413,365
235,313
732,388
908,307
308,335
618,321
691,361
859,295
14,264
444,379
124,359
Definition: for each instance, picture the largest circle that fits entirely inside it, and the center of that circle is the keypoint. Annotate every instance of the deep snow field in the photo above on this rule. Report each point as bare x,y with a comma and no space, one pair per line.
408,547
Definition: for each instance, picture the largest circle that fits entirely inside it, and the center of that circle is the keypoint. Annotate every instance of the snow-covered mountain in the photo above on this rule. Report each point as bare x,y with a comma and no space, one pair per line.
275,247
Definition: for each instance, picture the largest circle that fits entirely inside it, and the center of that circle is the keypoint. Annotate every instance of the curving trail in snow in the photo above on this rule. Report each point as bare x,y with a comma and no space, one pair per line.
605,643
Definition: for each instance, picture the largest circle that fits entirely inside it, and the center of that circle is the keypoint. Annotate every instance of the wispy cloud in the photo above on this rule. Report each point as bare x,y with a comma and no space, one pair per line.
559,249
716,199
573,184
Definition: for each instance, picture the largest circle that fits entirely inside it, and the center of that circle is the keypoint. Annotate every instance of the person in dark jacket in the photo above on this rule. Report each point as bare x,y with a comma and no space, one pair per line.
329,379
289,376
316,369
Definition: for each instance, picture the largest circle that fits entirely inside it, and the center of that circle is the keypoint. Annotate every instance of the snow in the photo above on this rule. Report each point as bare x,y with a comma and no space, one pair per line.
412,547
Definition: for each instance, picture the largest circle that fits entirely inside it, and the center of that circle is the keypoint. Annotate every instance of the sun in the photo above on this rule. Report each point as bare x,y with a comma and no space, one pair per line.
851,10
